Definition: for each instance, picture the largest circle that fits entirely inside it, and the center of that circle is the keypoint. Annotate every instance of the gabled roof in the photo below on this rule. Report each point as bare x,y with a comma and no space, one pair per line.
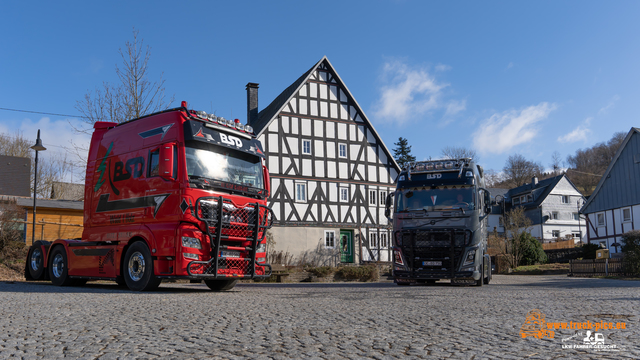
607,173
270,113
540,190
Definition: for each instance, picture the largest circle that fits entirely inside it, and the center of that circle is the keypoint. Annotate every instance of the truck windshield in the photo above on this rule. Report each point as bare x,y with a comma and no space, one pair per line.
223,164
441,198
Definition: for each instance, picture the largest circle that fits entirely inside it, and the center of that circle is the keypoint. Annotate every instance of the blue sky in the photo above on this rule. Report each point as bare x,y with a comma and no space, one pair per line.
498,77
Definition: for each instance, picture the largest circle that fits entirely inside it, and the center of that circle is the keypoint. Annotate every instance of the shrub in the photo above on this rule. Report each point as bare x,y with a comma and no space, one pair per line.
531,250
631,252
362,273
589,251
321,271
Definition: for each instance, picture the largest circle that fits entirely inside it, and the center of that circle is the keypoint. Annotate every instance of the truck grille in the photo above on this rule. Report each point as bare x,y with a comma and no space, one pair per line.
227,267
226,223
445,245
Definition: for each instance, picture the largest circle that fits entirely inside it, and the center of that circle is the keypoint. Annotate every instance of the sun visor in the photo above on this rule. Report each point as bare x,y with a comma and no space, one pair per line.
222,136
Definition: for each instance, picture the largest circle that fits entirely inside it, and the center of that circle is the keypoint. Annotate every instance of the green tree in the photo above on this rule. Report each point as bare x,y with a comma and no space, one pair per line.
531,250
631,252
402,152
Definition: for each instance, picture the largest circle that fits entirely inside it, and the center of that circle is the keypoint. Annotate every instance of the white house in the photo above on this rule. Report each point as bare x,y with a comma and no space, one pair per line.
552,205
330,170
614,206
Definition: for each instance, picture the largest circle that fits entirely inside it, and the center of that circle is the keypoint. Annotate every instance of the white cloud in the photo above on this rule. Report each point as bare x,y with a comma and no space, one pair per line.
610,105
455,106
407,93
578,134
510,65
503,131
443,67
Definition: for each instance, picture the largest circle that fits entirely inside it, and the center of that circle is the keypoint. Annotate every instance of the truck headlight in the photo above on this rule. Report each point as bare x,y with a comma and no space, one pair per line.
470,259
191,242
262,248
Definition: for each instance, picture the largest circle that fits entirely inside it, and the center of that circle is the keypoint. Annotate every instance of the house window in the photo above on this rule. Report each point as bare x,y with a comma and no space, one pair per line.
555,233
306,147
372,197
554,215
529,198
626,214
373,243
383,240
576,216
344,194
523,199
342,150
329,239
600,219
516,201
577,235
565,199
301,192
383,197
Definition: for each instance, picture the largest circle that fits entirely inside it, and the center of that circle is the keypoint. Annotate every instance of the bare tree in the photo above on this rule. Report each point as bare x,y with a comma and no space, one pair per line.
493,178
134,96
518,170
586,166
515,223
556,163
10,227
51,168
454,152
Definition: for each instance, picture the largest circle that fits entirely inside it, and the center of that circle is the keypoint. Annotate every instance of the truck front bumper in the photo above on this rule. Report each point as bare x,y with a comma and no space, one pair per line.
417,276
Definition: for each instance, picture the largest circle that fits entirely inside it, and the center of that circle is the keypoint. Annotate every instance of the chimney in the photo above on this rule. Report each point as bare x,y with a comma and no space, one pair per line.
252,103
534,181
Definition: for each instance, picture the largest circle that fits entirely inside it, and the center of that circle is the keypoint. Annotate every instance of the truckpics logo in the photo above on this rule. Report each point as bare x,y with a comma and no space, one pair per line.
230,140
536,326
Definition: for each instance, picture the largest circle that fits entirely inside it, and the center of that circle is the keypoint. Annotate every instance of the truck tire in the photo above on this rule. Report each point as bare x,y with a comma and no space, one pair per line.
489,273
35,262
58,267
480,281
138,268
221,285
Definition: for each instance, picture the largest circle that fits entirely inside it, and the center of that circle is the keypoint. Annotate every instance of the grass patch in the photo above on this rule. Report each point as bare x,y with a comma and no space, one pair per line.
361,273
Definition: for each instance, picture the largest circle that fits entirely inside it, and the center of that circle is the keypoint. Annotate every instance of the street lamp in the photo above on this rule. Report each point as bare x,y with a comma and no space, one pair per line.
579,222
37,147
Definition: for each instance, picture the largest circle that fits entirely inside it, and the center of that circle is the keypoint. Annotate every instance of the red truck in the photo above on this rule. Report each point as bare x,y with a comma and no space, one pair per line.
178,194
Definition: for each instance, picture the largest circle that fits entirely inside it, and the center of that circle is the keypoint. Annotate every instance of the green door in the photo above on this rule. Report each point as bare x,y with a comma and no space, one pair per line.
346,246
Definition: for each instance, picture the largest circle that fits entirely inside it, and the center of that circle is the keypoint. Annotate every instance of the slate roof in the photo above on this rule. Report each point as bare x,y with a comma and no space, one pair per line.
621,181
50,204
539,191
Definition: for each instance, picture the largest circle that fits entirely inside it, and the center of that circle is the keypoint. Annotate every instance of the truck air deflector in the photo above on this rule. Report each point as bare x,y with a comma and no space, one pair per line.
226,223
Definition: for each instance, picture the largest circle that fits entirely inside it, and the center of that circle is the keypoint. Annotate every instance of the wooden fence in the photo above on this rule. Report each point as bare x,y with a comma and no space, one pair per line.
601,267
559,245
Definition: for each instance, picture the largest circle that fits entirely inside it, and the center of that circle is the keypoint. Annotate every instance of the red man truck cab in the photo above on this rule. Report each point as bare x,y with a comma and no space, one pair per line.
178,194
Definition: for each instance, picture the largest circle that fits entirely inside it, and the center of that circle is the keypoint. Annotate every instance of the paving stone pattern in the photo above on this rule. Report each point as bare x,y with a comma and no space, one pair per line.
313,321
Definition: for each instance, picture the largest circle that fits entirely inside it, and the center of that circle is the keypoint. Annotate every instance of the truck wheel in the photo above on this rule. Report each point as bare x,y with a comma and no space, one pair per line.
487,279
58,267
480,281
138,268
36,262
221,285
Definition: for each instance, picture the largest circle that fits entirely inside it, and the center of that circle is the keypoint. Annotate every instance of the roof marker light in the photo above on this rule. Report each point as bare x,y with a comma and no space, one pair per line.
202,114
248,129
183,104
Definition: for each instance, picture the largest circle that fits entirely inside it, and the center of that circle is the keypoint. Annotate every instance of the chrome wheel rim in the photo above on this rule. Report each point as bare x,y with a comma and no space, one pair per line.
136,266
58,265
36,257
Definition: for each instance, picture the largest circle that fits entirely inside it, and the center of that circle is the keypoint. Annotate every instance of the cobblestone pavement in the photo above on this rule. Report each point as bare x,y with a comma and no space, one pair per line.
315,321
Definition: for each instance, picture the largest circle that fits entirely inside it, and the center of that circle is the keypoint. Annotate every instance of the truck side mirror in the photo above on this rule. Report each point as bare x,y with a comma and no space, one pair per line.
165,165
387,205
267,183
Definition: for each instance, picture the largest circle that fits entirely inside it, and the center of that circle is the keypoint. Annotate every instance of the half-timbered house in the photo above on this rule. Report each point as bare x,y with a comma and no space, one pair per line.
330,170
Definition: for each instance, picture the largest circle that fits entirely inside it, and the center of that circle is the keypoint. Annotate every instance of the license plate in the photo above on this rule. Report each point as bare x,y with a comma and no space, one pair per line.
432,263
230,254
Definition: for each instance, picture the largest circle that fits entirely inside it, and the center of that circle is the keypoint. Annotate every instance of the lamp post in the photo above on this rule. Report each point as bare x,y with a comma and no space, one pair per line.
37,147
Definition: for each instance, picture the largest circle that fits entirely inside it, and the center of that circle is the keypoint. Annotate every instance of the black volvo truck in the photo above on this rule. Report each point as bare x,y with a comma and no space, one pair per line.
440,210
